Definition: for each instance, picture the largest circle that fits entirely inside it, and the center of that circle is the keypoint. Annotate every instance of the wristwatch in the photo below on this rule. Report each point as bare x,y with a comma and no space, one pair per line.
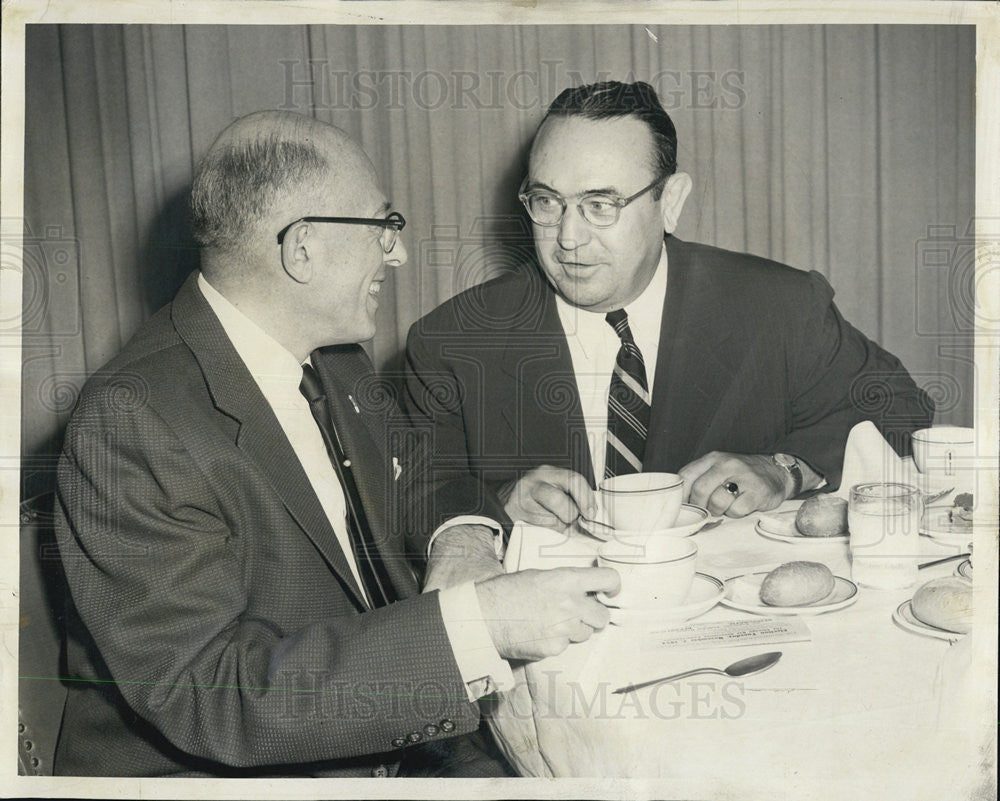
791,465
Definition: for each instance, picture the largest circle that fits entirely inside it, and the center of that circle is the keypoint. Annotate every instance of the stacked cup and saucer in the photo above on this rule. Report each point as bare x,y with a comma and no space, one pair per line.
647,541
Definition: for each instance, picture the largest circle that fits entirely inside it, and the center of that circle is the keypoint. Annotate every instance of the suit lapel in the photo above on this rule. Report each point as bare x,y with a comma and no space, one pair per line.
693,368
259,436
359,413
544,410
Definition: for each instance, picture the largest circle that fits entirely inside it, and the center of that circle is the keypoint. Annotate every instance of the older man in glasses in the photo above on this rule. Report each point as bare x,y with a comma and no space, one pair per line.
634,351
232,512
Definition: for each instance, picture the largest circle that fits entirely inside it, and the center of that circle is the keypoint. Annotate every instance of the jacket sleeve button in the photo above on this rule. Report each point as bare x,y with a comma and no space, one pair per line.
447,725
380,772
399,742
430,729
414,737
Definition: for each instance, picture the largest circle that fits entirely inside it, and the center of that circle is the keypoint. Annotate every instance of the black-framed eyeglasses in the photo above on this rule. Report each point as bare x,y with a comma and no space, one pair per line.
390,225
601,210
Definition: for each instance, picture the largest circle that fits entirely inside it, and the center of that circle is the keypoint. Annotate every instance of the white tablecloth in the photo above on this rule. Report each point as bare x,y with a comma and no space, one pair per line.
864,708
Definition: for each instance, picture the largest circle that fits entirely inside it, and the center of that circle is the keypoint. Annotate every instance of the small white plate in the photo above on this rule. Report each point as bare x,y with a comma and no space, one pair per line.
743,593
964,569
706,591
936,524
905,619
689,521
781,526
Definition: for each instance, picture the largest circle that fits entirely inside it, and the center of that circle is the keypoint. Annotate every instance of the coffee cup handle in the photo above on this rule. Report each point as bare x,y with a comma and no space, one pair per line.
607,600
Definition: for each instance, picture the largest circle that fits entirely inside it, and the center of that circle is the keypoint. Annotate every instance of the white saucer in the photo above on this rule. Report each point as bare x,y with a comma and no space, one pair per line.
778,525
905,619
781,526
936,525
964,569
743,593
706,591
689,520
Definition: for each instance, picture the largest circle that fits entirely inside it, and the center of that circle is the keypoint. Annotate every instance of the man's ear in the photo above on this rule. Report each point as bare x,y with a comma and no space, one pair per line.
675,192
296,253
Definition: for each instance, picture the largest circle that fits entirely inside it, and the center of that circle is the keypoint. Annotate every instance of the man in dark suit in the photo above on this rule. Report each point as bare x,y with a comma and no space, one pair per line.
229,520
633,351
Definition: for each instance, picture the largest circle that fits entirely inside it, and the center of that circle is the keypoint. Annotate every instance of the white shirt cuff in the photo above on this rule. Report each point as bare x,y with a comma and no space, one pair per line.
479,664
471,520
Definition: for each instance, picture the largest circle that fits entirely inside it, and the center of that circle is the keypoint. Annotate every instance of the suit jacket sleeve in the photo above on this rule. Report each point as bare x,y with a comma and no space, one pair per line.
838,378
161,581
432,401
431,495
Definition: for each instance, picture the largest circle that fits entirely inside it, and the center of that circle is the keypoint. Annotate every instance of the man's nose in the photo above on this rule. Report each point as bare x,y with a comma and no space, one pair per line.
573,230
398,255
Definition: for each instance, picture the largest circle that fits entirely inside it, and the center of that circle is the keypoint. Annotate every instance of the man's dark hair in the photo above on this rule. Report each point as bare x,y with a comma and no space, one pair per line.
612,100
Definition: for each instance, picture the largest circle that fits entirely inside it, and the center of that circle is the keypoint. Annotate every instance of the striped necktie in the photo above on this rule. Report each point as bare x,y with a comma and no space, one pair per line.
628,404
377,584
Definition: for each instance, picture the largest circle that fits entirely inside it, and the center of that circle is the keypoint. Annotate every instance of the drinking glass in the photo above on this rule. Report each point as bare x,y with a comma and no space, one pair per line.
884,521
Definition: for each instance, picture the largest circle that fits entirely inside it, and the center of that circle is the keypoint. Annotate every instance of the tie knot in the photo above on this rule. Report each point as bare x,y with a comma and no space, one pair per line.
309,386
618,320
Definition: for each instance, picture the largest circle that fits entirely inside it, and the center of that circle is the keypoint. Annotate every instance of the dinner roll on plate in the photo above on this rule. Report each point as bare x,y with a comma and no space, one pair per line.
796,584
945,603
822,516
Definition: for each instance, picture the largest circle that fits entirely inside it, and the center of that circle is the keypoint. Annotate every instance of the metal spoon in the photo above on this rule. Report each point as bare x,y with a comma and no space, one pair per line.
752,664
946,559
937,496
608,529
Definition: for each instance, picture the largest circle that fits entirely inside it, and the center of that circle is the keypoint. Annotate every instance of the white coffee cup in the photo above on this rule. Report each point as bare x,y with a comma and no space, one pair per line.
945,450
641,501
653,576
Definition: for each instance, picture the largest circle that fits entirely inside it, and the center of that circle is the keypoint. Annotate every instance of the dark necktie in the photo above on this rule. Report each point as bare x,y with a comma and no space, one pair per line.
628,404
376,581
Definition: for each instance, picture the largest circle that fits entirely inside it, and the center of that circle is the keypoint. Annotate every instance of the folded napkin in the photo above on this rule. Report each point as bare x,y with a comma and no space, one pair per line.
868,457
540,548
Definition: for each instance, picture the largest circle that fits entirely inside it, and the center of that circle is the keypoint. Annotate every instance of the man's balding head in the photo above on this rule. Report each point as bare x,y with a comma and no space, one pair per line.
277,171
263,171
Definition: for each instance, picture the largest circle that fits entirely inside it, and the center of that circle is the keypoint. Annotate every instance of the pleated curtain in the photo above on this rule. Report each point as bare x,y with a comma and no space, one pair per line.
844,149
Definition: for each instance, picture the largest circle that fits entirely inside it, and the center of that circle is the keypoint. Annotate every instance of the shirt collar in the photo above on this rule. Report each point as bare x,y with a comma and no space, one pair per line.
269,362
646,311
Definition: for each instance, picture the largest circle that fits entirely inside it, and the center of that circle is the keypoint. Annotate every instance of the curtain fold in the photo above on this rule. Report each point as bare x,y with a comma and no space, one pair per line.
845,149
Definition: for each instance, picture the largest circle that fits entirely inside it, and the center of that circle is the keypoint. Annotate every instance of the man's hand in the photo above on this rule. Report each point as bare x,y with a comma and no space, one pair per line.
459,554
760,483
549,496
537,613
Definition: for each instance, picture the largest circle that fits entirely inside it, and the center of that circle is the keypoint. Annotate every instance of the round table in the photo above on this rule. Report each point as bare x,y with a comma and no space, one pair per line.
863,707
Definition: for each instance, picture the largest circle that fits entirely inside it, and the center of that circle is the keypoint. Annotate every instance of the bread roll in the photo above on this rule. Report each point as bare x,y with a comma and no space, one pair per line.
796,584
822,516
945,603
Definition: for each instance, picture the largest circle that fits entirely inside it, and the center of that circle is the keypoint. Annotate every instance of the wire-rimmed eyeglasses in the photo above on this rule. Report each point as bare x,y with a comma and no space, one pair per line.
601,210
391,225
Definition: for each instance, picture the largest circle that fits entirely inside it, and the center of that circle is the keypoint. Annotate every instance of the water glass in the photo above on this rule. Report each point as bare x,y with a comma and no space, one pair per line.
884,521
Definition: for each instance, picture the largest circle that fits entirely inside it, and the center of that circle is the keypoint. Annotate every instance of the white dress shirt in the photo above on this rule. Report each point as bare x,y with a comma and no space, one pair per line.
593,348
278,373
